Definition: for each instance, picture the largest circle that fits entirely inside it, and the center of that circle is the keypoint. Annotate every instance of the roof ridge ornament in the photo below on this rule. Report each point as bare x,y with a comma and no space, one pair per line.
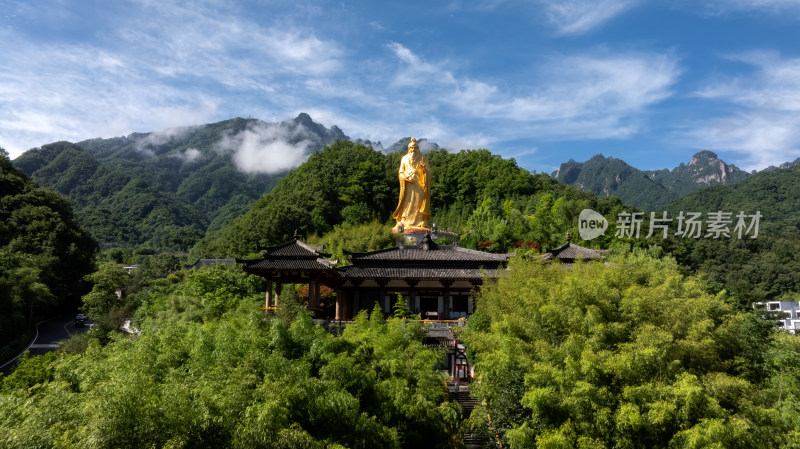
427,243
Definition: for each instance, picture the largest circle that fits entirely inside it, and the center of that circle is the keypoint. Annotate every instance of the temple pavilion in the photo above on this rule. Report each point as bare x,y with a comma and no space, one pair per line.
436,281
569,253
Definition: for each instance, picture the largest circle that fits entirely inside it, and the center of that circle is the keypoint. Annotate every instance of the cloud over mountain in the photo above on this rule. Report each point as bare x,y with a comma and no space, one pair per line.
267,149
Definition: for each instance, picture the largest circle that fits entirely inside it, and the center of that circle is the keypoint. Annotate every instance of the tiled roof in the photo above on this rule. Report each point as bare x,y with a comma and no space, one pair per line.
293,248
435,262
570,251
415,272
442,253
288,264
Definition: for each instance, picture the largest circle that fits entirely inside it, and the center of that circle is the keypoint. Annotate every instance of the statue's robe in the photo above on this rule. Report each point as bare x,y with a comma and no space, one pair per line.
414,206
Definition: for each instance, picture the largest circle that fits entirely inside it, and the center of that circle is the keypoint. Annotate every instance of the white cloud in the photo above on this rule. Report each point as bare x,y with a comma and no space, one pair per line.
135,77
768,6
569,17
762,139
574,97
59,93
473,141
606,90
525,152
147,144
265,148
426,145
581,16
417,72
189,155
764,125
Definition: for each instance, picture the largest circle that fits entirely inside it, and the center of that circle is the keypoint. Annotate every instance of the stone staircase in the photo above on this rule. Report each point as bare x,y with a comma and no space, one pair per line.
468,403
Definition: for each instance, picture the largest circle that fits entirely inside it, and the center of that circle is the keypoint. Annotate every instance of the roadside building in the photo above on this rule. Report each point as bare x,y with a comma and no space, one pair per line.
787,313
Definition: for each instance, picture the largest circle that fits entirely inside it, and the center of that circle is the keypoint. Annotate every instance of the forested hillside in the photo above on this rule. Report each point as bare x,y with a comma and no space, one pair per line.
44,253
116,206
759,268
165,190
478,195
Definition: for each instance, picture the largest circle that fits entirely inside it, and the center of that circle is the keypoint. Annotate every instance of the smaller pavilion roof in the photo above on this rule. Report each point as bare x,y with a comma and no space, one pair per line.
291,256
570,252
287,265
293,249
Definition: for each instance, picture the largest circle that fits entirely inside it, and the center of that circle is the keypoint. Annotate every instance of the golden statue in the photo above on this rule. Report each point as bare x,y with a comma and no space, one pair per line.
414,207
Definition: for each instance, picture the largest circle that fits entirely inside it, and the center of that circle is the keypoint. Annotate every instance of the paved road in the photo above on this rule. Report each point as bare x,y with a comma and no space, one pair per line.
50,333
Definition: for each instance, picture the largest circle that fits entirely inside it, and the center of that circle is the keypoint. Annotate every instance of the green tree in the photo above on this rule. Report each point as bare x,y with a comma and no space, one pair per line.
108,284
44,254
203,374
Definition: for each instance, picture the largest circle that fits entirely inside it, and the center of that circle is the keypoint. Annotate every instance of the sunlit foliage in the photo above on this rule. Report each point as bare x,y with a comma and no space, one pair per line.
210,370
629,355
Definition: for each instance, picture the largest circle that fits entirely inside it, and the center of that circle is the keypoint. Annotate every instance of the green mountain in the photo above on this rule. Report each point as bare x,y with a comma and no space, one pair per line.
44,253
166,189
647,189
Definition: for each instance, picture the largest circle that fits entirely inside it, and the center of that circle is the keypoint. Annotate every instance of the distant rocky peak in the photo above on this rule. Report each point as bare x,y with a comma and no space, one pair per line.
704,157
304,119
599,158
784,165
706,168
320,132
609,176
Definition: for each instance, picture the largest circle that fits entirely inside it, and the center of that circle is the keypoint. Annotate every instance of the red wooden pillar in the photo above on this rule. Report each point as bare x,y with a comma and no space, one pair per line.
341,304
269,292
313,295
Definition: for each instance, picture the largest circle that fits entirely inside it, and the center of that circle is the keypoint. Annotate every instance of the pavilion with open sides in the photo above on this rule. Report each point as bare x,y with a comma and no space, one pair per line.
437,281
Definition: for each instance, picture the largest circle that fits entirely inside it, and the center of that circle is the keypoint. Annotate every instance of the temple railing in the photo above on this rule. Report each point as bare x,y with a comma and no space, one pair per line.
433,327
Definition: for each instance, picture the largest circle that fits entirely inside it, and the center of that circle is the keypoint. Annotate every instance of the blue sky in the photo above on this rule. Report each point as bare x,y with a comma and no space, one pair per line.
650,82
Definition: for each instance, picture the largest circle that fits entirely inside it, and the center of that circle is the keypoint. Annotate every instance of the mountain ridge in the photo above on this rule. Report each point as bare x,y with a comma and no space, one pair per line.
167,188
648,189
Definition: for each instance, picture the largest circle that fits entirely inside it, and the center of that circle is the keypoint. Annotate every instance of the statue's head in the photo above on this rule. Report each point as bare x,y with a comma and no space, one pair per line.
412,146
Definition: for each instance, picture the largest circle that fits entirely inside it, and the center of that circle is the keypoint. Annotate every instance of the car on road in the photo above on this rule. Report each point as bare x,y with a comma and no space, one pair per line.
80,320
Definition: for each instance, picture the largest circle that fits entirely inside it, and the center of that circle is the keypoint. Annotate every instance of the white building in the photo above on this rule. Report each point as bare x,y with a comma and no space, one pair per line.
788,312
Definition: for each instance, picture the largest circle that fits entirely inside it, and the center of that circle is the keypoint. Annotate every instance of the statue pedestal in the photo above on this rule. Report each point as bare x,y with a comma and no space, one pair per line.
415,235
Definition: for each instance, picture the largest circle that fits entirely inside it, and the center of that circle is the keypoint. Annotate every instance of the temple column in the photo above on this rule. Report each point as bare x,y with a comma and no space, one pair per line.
382,295
355,304
347,313
448,300
341,303
269,292
413,303
278,288
313,295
